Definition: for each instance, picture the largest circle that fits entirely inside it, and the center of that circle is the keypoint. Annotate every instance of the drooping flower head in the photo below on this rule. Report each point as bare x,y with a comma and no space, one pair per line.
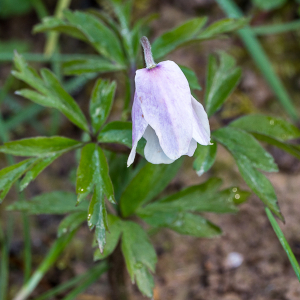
165,113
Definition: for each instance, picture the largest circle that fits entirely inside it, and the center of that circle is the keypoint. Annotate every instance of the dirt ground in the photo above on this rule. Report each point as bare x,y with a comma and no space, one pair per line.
187,268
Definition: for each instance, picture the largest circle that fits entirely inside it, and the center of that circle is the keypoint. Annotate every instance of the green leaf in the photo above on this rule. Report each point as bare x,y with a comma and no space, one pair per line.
67,106
90,28
93,160
177,37
50,203
140,256
121,133
84,179
199,198
101,102
9,175
40,146
71,223
222,26
284,243
260,185
191,78
195,225
10,8
270,126
97,216
49,92
112,237
205,158
268,4
37,169
90,65
243,145
289,148
148,183
260,58
220,81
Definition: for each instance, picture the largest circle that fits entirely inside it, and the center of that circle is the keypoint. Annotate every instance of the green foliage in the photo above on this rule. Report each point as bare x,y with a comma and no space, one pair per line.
191,78
174,211
50,92
9,175
96,180
177,37
49,203
268,4
112,238
89,65
14,7
139,256
71,222
220,81
88,28
40,146
270,126
284,243
101,102
250,156
121,133
147,184
205,158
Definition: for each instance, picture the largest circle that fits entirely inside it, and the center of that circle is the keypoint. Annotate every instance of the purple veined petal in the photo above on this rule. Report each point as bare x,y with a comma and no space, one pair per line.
201,129
153,151
139,126
192,148
165,99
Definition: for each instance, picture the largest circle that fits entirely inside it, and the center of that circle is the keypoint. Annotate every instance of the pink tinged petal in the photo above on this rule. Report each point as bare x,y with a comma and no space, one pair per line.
153,151
192,148
201,130
165,99
139,126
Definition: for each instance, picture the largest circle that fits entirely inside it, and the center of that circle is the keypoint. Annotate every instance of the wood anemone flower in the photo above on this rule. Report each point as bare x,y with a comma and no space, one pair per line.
165,113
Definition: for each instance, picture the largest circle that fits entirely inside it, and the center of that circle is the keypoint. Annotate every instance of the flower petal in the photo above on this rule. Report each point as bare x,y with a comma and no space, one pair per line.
201,130
165,99
139,126
153,151
192,148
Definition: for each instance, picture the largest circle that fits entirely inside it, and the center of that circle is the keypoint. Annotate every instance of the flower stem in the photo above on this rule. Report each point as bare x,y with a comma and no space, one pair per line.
147,53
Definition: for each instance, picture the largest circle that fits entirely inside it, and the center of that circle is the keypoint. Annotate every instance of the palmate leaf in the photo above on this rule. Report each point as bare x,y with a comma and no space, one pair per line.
250,156
49,92
220,81
71,222
96,180
147,184
88,28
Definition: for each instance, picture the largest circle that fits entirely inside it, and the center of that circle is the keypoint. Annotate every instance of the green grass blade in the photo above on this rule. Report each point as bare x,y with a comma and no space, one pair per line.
27,247
4,265
58,246
260,58
93,275
276,28
284,243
